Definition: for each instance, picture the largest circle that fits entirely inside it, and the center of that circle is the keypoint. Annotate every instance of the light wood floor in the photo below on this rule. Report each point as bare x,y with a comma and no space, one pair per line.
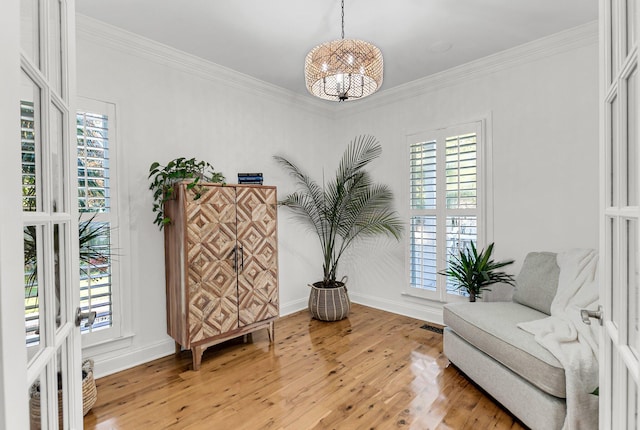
374,370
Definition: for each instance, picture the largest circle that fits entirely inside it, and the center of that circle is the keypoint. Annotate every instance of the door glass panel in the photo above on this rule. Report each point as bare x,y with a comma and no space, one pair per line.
613,38
33,283
632,286
632,404
38,403
631,24
616,392
610,374
31,145
613,270
632,139
62,359
55,51
59,246
29,30
58,174
613,153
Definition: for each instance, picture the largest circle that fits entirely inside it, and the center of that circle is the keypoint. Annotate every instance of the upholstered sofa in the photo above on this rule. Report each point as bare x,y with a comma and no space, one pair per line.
483,341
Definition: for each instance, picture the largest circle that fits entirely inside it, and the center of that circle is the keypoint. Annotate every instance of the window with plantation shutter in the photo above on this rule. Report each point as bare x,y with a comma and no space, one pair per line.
97,223
446,207
101,261
96,218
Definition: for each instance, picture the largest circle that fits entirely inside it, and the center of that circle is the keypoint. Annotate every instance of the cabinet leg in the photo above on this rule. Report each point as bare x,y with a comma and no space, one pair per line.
196,356
272,332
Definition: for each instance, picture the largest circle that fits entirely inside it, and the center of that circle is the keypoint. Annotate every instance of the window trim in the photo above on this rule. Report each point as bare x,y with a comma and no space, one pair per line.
482,125
120,273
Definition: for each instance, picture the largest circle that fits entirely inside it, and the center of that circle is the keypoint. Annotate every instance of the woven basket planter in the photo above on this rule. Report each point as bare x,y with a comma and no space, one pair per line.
89,397
89,390
329,304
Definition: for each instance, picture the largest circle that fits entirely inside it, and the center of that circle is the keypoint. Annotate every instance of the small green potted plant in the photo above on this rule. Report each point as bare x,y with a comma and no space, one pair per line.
181,169
474,272
347,208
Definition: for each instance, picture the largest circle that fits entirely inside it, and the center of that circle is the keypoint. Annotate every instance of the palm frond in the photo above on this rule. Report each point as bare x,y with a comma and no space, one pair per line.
349,206
360,152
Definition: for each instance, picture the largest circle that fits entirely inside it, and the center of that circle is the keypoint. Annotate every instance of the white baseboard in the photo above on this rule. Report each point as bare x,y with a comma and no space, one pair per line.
122,360
418,311
293,307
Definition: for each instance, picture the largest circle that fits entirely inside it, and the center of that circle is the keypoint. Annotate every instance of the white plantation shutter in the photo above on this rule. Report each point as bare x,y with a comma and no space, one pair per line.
95,205
461,171
445,206
460,232
423,175
93,162
423,252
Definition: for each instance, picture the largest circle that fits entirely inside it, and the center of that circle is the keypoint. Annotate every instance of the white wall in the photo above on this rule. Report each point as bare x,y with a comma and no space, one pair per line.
541,99
168,105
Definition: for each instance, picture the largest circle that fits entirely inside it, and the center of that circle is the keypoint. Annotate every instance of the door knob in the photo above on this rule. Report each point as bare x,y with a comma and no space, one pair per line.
89,316
586,315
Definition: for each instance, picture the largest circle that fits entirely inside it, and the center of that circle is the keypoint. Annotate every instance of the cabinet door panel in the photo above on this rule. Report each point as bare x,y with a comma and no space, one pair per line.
257,241
211,232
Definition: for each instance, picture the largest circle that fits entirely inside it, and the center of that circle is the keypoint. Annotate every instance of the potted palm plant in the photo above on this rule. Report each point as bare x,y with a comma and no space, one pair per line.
474,272
347,208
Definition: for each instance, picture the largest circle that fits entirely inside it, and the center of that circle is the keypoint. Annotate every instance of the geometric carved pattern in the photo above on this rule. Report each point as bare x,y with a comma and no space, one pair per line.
258,277
221,263
211,237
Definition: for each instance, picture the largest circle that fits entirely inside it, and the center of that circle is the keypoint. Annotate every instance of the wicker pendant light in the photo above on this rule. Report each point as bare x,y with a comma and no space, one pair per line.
343,69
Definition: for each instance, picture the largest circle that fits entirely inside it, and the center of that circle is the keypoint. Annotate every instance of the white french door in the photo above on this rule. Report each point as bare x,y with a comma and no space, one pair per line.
49,213
620,203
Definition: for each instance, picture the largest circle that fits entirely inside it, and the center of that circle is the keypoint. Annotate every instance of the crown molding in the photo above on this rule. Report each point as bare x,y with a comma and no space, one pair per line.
564,41
116,38
109,36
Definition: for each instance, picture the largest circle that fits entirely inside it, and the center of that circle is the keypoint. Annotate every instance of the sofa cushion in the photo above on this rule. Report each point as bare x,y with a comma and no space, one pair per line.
491,327
537,282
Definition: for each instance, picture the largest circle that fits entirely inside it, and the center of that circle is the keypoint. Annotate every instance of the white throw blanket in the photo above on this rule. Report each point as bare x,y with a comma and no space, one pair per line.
572,342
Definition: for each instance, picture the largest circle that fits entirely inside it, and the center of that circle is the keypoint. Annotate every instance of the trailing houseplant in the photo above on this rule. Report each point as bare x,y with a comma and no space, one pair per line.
349,207
474,271
163,179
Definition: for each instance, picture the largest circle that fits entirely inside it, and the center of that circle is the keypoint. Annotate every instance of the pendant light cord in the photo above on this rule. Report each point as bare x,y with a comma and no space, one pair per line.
343,19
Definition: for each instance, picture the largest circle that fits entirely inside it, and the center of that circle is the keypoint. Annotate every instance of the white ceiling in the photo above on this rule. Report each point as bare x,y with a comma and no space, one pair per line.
269,39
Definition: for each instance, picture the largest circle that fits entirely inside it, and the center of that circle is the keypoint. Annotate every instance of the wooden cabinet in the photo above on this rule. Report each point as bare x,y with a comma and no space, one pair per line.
221,264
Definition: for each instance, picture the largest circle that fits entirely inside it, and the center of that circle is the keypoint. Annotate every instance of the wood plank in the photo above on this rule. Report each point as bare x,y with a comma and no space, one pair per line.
373,370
